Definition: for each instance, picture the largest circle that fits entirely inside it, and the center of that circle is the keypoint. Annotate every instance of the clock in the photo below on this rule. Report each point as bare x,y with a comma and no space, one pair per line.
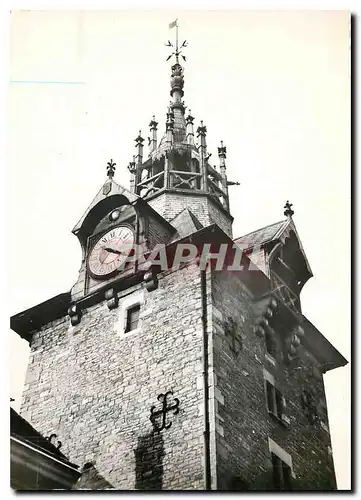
110,251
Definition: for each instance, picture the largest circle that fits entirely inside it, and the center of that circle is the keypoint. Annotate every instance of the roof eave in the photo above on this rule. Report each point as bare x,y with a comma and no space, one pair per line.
30,320
325,353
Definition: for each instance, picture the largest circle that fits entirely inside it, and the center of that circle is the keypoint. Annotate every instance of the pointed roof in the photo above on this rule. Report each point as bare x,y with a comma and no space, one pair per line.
109,188
186,223
176,110
276,231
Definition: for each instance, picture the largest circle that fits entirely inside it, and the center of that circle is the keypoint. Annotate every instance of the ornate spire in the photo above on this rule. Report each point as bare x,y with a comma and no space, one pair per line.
288,212
201,131
201,134
132,169
152,141
139,147
177,77
190,129
110,169
177,82
222,154
222,150
176,162
131,166
170,115
169,126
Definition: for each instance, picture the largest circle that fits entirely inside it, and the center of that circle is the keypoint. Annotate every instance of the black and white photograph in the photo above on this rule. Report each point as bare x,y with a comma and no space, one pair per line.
179,249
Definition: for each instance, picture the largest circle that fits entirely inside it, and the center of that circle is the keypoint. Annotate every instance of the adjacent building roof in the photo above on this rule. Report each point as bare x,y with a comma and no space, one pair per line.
36,463
20,428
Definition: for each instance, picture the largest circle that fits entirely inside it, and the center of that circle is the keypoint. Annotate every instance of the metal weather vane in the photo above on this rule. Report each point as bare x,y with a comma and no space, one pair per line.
178,51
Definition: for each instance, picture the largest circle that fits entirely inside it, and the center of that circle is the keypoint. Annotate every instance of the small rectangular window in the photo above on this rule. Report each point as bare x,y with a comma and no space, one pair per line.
274,400
287,476
132,318
270,396
270,343
277,476
279,403
282,474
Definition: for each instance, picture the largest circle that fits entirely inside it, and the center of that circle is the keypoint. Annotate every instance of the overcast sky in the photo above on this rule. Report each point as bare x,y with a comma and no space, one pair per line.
274,86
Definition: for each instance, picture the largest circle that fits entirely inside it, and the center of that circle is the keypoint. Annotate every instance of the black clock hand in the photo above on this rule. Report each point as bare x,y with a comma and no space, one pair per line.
108,249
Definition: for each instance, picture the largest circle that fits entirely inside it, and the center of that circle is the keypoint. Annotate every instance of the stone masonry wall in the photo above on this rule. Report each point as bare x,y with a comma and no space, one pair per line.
242,423
94,387
158,233
169,205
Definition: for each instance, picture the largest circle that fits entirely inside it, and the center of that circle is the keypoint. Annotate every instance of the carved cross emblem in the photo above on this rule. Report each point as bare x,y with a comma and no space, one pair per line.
161,415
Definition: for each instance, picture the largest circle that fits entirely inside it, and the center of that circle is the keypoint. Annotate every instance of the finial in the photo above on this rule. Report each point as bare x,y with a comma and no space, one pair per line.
153,124
110,169
202,129
222,150
190,118
288,212
139,138
170,115
131,166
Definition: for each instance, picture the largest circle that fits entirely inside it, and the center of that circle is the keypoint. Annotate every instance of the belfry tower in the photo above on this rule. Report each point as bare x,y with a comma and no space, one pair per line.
187,377
177,173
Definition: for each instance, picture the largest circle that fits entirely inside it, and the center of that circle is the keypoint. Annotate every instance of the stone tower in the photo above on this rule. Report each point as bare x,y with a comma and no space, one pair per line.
183,376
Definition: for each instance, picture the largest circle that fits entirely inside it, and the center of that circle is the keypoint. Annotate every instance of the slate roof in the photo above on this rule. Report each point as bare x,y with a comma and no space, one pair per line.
263,235
101,195
186,223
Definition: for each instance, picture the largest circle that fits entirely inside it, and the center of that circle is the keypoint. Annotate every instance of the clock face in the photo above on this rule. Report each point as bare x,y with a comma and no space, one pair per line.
110,251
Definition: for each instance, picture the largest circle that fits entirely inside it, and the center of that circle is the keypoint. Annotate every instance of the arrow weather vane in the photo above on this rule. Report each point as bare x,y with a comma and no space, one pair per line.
177,52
